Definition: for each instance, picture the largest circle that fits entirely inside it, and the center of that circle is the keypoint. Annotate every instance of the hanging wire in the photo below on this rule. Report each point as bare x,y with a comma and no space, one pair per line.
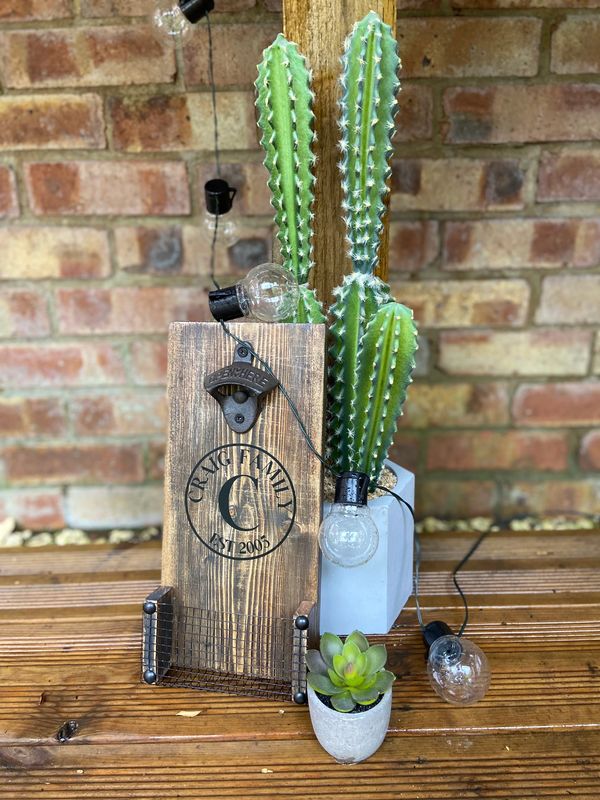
213,94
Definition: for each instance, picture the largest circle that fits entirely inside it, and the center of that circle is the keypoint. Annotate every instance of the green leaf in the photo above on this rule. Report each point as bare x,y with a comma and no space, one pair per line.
331,645
343,702
309,307
376,657
383,680
351,652
314,661
321,683
365,696
335,678
339,665
359,639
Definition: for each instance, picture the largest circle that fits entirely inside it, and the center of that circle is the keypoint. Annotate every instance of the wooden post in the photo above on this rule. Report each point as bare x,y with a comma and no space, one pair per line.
319,28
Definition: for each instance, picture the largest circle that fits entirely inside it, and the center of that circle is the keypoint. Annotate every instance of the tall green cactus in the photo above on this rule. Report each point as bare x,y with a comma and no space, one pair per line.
373,339
367,109
284,102
386,363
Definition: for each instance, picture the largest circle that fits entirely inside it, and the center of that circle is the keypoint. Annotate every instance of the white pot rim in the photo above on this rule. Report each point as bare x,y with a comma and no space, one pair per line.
385,498
353,719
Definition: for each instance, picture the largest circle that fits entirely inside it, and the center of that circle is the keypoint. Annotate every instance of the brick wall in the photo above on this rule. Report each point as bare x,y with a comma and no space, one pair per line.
105,142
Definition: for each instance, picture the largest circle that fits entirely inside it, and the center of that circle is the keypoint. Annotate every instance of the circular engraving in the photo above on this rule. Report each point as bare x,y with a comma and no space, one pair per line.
240,501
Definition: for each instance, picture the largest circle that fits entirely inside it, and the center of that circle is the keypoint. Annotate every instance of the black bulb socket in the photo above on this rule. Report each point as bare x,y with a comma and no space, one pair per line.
195,10
434,631
224,304
352,488
218,195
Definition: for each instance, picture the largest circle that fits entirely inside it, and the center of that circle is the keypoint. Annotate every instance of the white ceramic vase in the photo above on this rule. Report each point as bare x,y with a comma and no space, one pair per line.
370,597
350,738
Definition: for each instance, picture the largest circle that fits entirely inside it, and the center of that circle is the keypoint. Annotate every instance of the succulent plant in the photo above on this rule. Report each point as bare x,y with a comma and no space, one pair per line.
351,673
284,102
373,339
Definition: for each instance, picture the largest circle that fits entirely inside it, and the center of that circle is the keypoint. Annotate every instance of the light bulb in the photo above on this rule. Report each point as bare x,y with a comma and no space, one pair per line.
219,219
174,20
169,22
267,293
348,536
458,669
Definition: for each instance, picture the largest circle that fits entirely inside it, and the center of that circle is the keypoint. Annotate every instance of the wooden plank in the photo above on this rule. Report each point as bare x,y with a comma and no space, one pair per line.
319,28
241,561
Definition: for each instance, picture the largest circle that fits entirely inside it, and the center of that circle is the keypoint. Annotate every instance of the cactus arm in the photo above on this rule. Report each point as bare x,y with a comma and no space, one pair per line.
356,302
309,308
367,109
284,102
387,361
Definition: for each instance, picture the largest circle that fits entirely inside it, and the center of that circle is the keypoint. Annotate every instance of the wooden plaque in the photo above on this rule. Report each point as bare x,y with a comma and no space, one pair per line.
242,510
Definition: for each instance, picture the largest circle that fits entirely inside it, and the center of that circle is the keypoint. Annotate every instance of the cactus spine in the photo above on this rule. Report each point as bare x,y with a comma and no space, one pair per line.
284,102
367,109
373,339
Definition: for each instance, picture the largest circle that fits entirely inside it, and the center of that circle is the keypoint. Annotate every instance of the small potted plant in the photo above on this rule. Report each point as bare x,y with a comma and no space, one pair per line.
349,696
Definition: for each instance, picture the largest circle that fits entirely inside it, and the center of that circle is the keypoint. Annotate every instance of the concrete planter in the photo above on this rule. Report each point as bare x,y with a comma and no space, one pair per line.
370,597
350,738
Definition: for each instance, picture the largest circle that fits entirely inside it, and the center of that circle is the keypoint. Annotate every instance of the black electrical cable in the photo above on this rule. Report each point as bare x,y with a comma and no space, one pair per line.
213,94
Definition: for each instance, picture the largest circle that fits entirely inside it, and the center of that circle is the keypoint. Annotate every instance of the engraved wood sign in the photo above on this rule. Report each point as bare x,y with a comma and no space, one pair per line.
243,498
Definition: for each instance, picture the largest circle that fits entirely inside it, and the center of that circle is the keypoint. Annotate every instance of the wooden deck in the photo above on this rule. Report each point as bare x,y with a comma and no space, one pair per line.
70,650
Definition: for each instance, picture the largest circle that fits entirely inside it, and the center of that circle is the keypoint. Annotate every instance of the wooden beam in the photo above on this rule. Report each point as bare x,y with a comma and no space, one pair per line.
319,28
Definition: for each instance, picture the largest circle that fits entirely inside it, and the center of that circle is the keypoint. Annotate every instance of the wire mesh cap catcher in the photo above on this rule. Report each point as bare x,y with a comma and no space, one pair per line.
243,654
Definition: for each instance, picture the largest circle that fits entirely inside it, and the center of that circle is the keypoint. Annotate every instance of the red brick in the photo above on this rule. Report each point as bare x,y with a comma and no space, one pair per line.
107,56
558,404
576,46
67,463
522,113
552,497
119,414
491,450
455,405
413,246
456,499
34,509
23,313
570,298
442,47
129,309
521,244
457,184
51,122
510,4
149,362
156,461
9,203
185,250
569,175
458,304
546,351
253,197
30,253
88,187
415,115
115,8
39,416
589,454
183,122
234,64
405,450
34,10
99,508
60,365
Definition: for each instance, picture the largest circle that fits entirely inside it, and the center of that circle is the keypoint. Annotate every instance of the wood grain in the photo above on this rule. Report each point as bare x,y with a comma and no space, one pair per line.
319,29
239,604
535,735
